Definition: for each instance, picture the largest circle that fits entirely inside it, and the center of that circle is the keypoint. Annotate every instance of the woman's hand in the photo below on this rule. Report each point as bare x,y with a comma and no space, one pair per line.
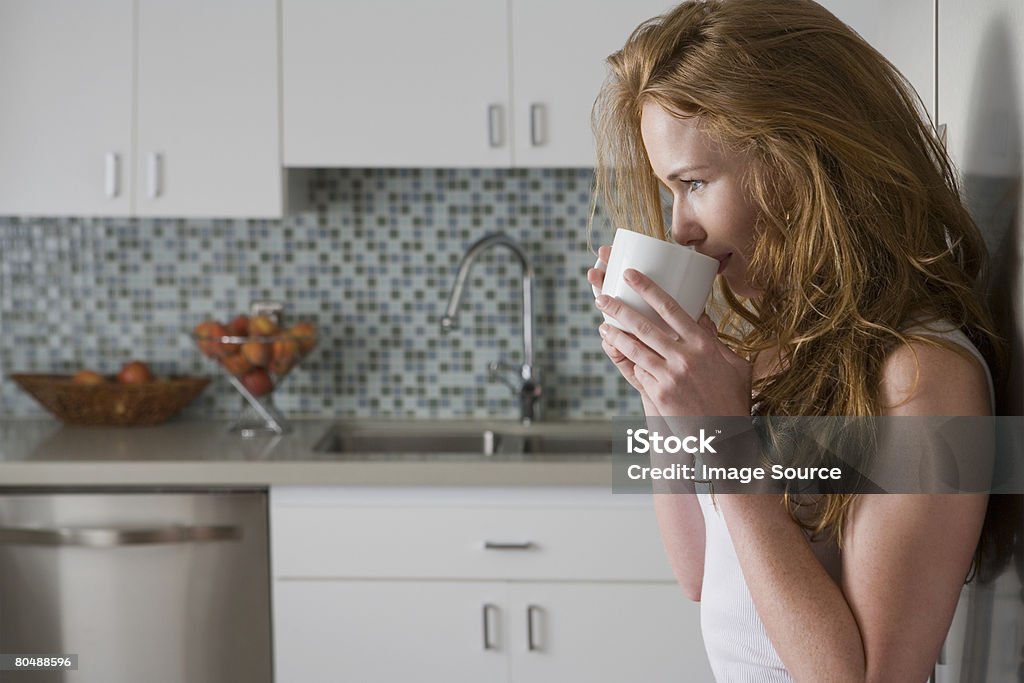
685,371
595,276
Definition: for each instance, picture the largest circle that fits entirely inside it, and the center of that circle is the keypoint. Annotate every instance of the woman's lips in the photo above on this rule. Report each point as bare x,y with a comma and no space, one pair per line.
722,261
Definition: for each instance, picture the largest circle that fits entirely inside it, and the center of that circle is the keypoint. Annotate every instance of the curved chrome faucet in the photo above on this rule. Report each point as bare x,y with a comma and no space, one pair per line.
529,390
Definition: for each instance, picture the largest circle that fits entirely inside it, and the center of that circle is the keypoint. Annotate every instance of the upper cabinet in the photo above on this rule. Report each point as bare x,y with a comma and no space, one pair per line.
370,83
452,83
491,82
558,66
66,121
207,108
140,107
903,31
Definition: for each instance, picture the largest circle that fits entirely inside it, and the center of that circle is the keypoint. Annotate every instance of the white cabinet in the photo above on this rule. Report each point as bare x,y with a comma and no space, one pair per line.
386,631
141,107
604,632
903,31
558,65
491,82
368,83
476,585
455,83
66,120
207,122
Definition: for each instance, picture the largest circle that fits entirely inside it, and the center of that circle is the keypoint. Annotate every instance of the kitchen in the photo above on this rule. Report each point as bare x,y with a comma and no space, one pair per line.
226,153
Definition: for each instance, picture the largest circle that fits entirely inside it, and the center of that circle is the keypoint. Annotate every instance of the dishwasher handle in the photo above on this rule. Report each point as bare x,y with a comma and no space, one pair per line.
112,537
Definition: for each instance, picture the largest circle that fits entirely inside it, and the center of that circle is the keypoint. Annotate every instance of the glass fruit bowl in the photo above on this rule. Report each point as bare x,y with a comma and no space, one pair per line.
256,355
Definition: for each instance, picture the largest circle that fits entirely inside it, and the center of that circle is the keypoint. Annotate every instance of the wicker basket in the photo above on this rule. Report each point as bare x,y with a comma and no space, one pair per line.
111,403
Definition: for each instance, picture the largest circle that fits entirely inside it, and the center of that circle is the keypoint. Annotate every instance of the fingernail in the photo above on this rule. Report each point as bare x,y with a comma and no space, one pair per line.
601,301
630,275
603,330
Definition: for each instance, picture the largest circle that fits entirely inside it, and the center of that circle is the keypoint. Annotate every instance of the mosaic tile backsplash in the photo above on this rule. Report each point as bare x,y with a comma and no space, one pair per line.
371,260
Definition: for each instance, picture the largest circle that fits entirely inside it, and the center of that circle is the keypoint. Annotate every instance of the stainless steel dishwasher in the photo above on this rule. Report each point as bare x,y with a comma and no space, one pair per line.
157,586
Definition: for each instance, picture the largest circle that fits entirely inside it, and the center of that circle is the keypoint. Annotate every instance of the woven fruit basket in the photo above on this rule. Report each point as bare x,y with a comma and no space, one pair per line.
111,403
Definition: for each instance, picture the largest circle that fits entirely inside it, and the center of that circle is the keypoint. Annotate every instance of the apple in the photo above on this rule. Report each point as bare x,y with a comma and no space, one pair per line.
239,327
286,355
262,326
257,353
208,334
85,376
236,363
134,372
305,334
257,381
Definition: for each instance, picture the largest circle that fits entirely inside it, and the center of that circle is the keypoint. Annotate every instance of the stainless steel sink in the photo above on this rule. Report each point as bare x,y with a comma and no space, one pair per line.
497,441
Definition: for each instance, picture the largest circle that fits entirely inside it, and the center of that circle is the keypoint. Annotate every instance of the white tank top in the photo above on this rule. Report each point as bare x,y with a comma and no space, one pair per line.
737,645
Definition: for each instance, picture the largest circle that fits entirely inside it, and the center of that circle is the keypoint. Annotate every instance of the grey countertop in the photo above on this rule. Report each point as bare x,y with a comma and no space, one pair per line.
43,452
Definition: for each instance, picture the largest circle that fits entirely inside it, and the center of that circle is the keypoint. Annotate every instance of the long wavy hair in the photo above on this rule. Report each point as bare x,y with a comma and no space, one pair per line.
860,228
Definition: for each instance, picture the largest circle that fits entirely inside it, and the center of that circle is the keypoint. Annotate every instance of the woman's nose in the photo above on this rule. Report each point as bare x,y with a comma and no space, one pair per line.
686,230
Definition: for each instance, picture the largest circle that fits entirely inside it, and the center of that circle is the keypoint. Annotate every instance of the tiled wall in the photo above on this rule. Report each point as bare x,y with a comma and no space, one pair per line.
371,261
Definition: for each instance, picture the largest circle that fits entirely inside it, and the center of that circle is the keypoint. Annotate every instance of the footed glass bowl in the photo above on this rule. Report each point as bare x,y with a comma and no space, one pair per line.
256,366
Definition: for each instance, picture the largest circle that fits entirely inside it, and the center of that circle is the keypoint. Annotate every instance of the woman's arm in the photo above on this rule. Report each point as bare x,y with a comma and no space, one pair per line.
904,560
682,533
905,556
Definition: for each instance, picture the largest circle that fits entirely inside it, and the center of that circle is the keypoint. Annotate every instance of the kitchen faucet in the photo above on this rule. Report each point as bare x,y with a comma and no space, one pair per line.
528,389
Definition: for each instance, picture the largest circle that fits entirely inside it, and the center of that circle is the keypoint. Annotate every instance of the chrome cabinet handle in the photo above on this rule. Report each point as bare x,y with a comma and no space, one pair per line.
531,643
154,177
537,132
496,125
488,645
493,545
112,537
112,173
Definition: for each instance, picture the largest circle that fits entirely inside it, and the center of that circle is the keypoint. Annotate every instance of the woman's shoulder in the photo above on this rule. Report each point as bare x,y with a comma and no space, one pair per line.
922,377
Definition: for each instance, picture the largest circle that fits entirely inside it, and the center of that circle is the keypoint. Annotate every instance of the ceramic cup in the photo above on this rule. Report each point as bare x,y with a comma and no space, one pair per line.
681,271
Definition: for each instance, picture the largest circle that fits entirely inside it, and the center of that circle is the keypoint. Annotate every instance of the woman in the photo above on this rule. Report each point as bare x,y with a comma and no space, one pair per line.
795,154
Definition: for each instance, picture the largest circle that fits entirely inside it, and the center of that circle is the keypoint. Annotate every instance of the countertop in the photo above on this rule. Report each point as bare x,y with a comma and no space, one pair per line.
203,453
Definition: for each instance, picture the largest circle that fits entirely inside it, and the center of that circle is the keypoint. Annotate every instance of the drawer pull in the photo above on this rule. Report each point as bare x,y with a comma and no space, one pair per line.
488,645
494,545
531,642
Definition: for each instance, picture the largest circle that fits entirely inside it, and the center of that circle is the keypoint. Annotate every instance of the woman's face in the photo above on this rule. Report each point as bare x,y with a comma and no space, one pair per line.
710,210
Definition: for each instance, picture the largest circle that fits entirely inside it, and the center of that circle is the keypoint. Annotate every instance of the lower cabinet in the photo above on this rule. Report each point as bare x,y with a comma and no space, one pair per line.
475,631
503,586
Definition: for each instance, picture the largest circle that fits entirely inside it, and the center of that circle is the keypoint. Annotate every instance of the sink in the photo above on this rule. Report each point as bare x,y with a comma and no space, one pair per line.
363,441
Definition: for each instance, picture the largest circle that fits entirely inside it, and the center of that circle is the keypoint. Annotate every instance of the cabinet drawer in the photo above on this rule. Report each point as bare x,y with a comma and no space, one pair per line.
468,541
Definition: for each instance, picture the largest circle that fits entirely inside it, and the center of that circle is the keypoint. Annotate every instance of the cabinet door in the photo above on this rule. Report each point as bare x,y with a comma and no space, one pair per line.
599,632
902,31
207,98
65,124
387,631
556,75
371,83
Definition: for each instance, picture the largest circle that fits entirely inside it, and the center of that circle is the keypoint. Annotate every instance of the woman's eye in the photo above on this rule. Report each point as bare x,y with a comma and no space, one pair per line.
694,184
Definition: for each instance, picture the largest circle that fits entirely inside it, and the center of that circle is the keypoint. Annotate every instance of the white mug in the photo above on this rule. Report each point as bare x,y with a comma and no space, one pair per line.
681,271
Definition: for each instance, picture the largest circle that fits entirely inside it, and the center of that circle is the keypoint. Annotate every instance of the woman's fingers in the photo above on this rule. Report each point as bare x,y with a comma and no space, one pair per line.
636,351
595,276
662,303
655,334
625,366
